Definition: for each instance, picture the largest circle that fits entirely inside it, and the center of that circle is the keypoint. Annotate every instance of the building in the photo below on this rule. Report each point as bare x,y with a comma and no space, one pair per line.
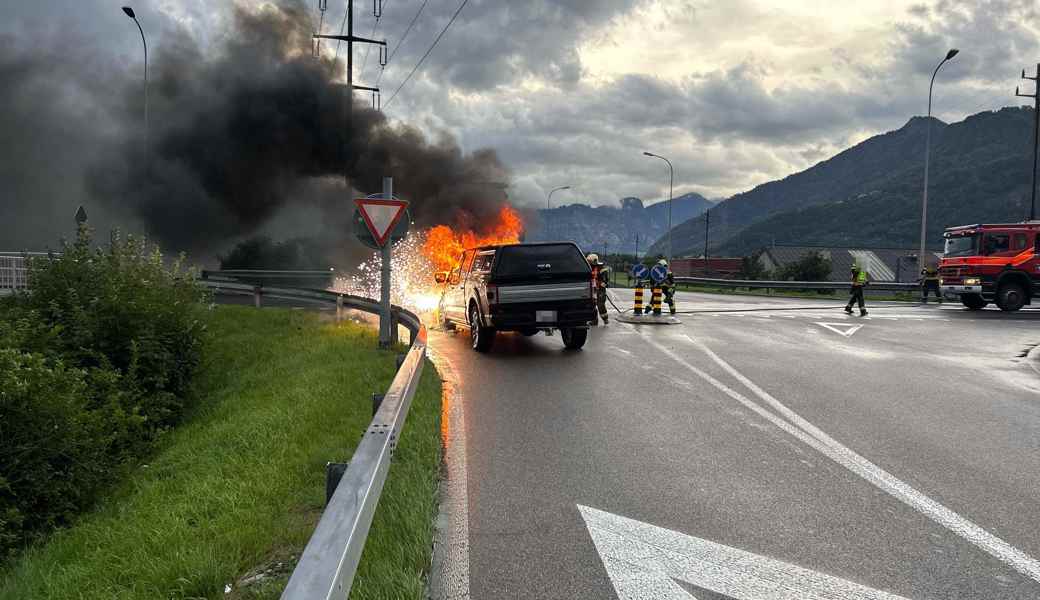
883,264
722,268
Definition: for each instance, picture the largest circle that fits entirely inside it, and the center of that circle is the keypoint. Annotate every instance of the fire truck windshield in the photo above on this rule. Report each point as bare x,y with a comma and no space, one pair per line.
963,245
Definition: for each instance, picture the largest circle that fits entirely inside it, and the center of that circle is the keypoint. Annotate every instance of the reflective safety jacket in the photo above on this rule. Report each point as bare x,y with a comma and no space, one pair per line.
930,274
859,279
600,275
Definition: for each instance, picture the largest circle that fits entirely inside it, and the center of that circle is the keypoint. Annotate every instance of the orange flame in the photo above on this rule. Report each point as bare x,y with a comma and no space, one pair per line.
444,246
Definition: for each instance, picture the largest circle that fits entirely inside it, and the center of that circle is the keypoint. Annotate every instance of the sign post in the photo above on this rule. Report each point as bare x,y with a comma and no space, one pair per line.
385,319
385,221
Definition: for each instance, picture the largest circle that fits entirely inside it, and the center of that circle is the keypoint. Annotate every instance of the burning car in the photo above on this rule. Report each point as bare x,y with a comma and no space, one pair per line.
519,287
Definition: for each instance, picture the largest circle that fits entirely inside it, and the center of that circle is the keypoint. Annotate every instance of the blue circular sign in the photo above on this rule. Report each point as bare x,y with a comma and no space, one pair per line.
639,271
658,273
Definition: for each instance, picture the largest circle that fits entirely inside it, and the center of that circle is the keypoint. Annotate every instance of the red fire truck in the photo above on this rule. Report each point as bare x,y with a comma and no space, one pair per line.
992,263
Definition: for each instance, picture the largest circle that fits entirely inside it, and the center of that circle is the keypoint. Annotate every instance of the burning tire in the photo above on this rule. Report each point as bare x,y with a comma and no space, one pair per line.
574,338
973,301
481,338
1011,297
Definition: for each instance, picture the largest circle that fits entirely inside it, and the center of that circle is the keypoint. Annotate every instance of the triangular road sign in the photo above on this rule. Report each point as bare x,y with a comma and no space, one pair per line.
381,216
841,328
644,561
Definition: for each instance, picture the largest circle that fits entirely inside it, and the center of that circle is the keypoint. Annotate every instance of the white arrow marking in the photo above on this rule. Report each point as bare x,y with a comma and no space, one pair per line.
645,561
841,328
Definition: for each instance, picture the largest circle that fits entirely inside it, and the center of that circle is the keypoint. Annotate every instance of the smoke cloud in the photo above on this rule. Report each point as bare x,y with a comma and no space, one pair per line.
245,135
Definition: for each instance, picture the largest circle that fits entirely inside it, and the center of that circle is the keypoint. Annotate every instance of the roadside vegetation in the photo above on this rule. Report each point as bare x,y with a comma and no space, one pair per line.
95,365
230,497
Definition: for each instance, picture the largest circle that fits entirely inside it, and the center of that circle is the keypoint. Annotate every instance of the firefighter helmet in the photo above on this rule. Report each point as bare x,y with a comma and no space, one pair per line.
593,258
663,262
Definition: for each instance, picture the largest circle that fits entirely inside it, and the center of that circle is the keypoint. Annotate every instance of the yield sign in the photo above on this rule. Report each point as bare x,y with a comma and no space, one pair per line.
381,216
644,561
841,328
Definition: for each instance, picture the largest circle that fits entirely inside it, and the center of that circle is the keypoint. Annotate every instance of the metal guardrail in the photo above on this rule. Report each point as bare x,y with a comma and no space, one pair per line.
327,566
881,286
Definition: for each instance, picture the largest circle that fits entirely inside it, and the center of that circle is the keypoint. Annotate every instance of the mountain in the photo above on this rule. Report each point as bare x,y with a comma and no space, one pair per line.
870,194
614,228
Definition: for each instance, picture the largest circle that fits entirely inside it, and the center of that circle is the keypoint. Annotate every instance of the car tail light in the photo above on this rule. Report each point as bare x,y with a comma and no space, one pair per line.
492,294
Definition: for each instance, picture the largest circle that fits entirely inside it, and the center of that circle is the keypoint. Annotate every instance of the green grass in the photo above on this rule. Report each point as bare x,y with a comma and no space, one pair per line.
239,487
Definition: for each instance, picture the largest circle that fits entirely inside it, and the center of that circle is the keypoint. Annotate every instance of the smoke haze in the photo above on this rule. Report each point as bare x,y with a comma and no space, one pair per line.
251,134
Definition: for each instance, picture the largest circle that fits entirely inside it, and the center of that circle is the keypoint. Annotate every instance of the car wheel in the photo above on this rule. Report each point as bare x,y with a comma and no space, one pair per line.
529,332
1011,297
574,338
973,301
481,338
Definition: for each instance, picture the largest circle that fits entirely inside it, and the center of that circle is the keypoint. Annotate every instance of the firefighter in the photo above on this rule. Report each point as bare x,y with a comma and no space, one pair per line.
600,278
667,288
859,280
930,283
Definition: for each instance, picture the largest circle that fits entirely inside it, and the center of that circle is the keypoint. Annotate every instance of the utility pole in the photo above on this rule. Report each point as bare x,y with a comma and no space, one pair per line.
707,219
1036,133
350,38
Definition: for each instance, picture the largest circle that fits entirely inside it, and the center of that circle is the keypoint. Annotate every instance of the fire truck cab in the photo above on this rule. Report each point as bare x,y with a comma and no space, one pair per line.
992,263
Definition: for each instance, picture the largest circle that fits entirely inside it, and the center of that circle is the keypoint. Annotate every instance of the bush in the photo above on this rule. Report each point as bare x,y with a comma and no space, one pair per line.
811,267
94,363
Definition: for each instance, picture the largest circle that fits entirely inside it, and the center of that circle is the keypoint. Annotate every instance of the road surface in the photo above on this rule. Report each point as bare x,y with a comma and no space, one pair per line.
740,454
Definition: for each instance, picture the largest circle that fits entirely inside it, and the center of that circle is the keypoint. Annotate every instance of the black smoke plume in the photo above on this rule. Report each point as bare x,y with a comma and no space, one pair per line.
254,133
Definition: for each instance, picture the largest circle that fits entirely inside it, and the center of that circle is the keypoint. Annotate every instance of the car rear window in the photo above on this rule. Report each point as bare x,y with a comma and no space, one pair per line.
540,259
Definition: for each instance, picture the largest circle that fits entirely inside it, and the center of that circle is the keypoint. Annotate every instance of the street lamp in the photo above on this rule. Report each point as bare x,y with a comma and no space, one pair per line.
130,13
927,150
671,183
549,197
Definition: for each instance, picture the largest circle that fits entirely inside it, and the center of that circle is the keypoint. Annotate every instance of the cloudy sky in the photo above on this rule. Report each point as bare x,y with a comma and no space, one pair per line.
570,92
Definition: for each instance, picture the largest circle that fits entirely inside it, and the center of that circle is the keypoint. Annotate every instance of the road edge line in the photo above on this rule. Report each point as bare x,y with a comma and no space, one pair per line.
449,568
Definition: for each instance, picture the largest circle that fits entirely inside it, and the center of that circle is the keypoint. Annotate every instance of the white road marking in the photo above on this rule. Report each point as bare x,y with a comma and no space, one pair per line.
449,573
643,561
814,437
841,328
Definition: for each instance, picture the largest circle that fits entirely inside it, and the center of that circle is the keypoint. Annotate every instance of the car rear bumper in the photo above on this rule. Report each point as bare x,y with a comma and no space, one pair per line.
511,317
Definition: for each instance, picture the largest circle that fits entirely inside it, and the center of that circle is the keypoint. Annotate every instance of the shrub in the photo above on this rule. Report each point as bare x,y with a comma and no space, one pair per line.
125,309
94,363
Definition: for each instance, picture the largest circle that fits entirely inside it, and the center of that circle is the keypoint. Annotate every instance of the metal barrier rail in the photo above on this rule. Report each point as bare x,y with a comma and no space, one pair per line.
881,286
327,566
269,274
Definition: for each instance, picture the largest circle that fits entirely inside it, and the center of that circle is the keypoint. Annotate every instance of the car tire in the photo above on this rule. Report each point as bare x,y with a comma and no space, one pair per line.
481,338
973,301
574,337
1011,297
529,332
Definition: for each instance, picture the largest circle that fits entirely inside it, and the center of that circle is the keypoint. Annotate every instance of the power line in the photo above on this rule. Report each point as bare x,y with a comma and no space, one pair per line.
401,41
428,51
342,26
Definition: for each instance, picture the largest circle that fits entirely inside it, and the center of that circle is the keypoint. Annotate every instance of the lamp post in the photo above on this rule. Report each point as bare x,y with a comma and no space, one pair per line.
671,184
927,150
547,199
130,13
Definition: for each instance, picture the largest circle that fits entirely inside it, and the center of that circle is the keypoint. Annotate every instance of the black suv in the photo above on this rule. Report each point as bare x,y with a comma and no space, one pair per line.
520,287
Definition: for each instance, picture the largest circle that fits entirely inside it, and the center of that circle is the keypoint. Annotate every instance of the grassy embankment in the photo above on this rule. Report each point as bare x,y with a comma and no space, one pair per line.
239,486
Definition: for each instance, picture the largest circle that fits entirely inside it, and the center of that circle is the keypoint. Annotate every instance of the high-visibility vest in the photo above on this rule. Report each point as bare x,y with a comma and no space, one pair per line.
930,274
860,278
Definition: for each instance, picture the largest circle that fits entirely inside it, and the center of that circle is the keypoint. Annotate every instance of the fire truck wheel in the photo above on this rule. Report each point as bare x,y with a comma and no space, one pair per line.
480,337
574,337
1011,297
973,301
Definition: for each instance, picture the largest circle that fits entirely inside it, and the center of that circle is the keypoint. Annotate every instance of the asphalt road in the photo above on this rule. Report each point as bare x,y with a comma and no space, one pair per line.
789,447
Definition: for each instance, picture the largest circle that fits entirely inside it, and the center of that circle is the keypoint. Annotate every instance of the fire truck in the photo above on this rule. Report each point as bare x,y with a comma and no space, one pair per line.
992,263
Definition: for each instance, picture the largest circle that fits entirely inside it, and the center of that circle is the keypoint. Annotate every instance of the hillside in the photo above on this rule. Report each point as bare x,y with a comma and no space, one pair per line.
870,194
614,228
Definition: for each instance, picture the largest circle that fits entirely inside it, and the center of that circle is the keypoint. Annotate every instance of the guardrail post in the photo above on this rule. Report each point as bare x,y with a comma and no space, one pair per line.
339,308
394,334
333,473
256,296
377,401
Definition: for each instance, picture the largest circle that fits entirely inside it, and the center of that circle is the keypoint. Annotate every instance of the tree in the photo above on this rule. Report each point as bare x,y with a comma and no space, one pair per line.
811,267
751,267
